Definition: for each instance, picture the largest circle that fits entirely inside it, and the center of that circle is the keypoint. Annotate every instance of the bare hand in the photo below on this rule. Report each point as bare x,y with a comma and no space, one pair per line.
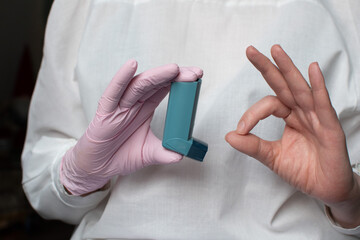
312,154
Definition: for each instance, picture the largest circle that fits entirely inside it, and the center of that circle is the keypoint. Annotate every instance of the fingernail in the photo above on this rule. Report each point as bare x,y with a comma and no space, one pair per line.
241,127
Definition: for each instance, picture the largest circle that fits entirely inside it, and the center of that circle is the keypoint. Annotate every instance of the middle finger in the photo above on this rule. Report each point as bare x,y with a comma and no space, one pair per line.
272,76
294,79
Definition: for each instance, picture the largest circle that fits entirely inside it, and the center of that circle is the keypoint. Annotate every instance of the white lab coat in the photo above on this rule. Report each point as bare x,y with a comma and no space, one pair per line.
229,195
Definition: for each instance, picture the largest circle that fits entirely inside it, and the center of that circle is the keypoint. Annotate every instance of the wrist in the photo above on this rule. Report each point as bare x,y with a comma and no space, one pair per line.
347,213
105,187
77,181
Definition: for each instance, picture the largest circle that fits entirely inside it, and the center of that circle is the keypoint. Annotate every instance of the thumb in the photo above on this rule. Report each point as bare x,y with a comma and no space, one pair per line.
155,153
253,146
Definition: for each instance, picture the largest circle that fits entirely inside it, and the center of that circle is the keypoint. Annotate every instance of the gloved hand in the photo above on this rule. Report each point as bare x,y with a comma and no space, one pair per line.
119,140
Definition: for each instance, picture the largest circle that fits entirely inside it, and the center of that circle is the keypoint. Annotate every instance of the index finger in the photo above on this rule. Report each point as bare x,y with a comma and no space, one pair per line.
272,75
148,81
294,79
111,97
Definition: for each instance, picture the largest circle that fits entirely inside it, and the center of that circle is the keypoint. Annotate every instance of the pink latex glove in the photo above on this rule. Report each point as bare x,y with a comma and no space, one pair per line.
119,140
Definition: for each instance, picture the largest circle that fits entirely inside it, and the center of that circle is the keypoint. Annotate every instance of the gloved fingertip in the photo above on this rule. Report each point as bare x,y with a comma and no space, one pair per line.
190,75
168,157
186,75
198,71
162,74
177,158
132,63
171,68
174,68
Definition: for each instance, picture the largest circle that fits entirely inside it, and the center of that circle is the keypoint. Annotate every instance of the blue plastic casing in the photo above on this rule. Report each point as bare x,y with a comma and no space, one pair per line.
180,117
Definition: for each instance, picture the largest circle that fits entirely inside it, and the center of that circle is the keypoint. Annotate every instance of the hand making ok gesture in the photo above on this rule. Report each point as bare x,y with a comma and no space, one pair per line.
312,154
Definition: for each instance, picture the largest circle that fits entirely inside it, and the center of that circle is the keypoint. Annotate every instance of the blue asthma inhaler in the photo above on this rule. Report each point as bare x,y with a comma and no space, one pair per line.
180,118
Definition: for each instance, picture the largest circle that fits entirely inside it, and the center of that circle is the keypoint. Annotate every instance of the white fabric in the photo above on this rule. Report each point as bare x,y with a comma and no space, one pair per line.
229,195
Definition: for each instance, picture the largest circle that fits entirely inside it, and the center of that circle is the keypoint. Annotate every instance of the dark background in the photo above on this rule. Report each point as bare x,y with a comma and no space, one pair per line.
22,27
